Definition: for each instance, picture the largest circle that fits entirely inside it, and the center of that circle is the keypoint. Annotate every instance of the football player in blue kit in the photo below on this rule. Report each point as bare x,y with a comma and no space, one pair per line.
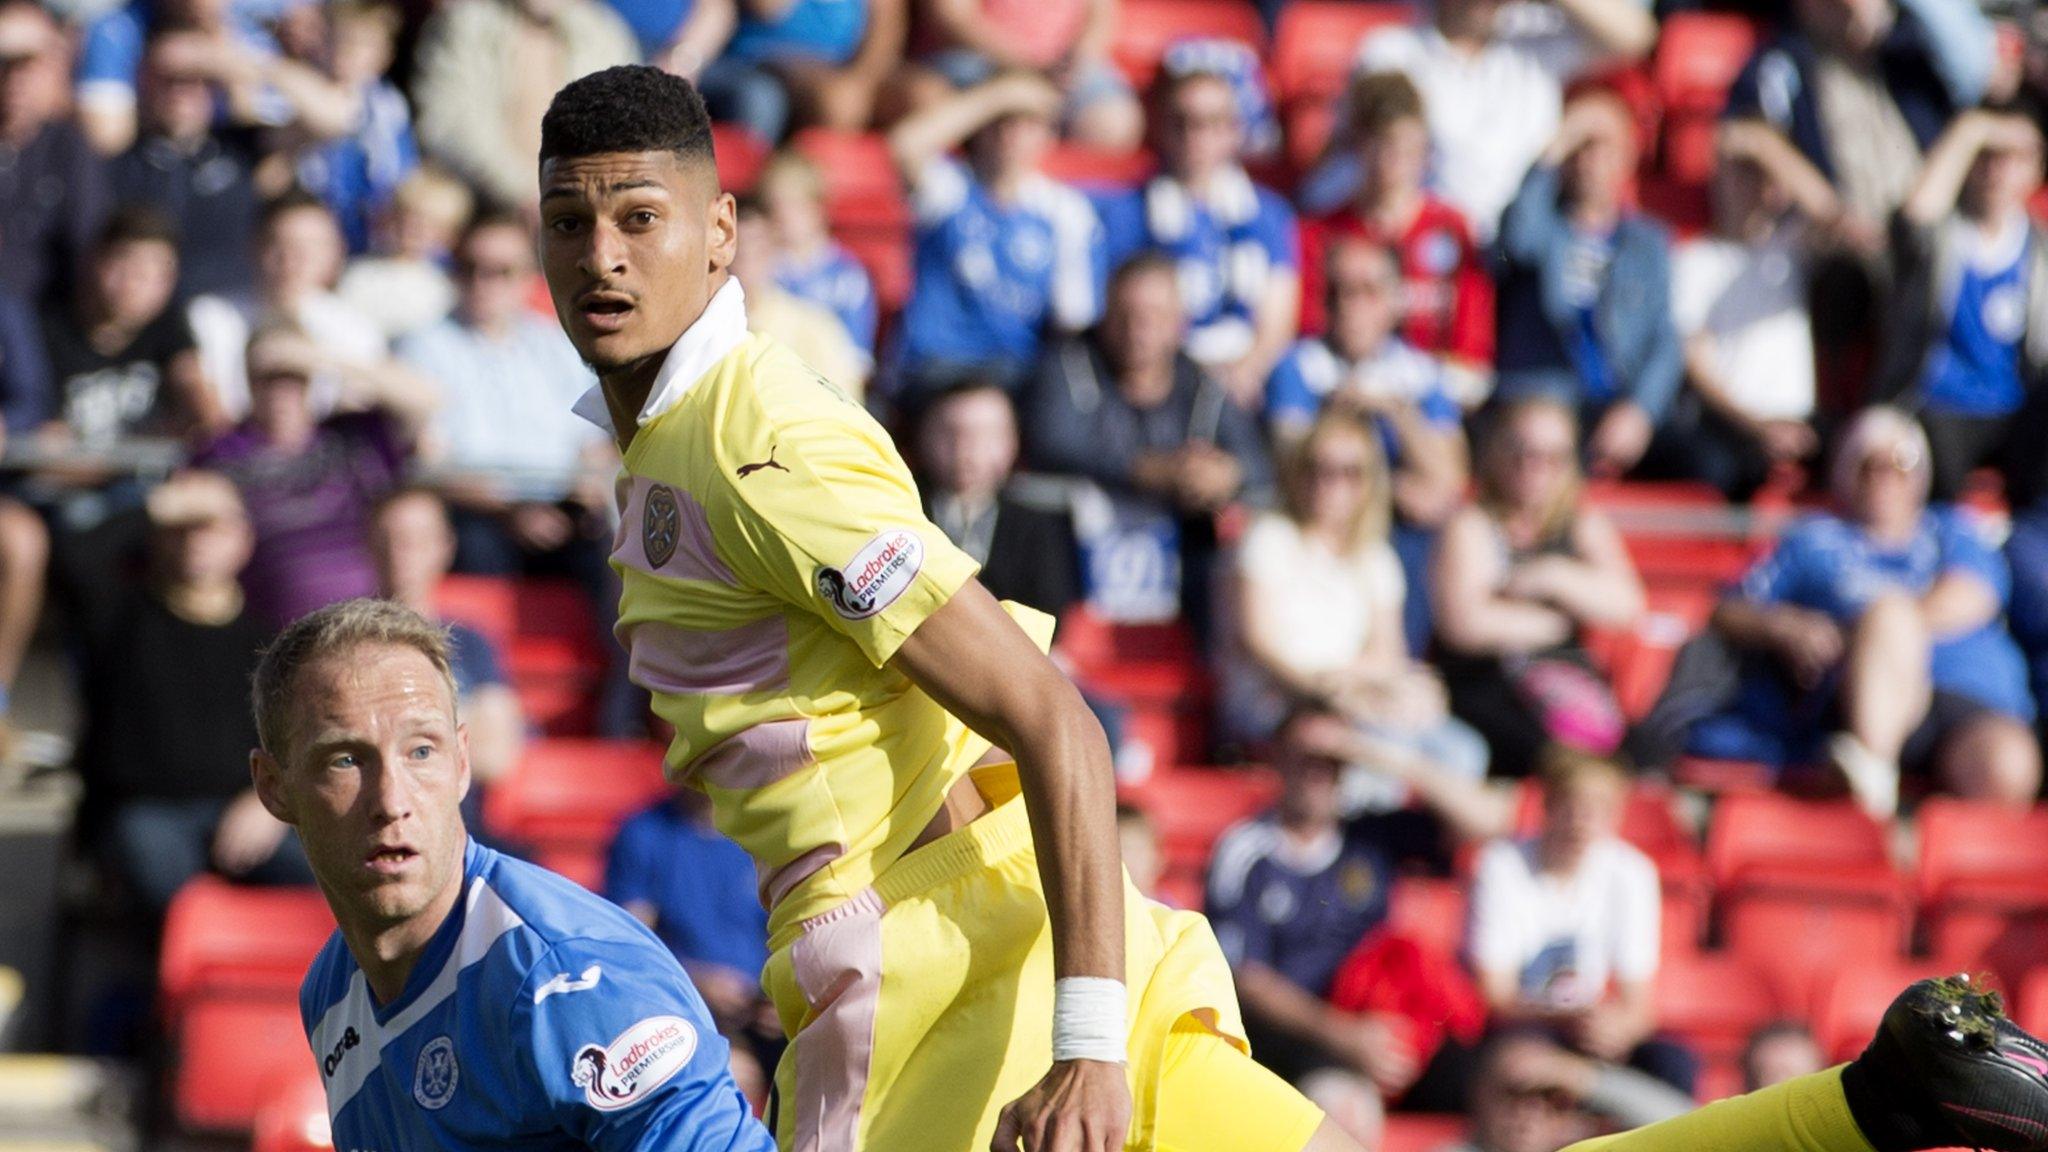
468,999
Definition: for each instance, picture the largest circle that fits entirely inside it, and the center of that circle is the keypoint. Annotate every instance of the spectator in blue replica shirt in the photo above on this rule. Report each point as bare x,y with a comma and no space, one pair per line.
53,188
1584,305
359,169
1234,243
2026,554
818,62
676,874
1881,624
1005,256
468,1000
1968,339
1293,891
810,264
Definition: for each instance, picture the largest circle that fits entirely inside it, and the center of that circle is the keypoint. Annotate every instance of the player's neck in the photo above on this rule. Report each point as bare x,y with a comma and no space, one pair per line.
625,394
387,951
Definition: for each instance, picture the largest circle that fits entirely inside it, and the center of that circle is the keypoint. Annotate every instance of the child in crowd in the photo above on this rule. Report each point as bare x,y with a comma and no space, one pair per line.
405,287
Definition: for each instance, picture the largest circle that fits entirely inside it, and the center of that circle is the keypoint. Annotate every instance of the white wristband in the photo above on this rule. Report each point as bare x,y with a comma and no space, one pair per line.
1089,1019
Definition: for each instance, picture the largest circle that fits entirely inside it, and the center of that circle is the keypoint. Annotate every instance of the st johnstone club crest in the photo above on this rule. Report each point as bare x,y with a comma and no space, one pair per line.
660,525
435,1074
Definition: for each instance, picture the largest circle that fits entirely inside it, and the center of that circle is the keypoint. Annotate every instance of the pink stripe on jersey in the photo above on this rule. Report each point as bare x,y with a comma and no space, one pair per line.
725,662
696,550
782,881
756,757
838,966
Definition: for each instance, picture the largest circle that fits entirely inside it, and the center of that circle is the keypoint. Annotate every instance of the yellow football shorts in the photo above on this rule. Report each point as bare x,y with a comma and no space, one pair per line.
922,1007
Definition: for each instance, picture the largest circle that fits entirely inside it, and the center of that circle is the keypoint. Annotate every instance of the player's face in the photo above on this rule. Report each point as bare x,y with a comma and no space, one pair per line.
633,244
374,772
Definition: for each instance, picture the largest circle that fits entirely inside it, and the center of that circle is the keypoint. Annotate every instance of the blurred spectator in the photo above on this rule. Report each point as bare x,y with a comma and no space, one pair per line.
1233,242
125,361
1529,1095
1566,925
1861,87
670,868
1491,75
404,285
484,72
412,545
193,167
1585,290
1292,892
358,161
1167,448
311,485
812,331
972,41
517,458
1239,65
1317,607
26,384
24,566
680,36
299,255
1738,298
2026,554
1360,365
1967,342
165,743
1780,1051
1138,840
1519,576
805,62
809,262
53,188
1880,623
1446,305
1004,254
966,451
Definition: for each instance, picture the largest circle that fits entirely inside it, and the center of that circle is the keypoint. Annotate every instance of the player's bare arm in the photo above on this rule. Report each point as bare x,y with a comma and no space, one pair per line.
979,665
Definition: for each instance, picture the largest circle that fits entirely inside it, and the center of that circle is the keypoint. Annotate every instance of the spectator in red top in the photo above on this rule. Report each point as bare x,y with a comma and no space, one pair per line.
1447,293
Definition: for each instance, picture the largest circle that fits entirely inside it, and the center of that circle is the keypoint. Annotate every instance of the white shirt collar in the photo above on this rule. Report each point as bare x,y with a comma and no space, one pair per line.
719,330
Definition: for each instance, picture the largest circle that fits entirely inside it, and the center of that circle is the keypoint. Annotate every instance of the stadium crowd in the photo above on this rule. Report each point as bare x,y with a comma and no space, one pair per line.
1376,373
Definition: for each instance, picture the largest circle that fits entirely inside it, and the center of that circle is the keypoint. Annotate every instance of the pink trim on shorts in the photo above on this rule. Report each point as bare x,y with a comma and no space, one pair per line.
782,881
837,962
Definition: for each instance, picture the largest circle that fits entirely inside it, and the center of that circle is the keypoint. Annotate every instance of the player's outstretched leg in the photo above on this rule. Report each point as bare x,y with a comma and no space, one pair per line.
1947,1069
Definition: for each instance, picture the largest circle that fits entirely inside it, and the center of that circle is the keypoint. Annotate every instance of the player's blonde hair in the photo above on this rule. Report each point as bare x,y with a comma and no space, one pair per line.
336,630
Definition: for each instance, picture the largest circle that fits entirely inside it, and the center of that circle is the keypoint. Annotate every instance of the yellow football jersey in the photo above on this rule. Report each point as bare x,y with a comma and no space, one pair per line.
775,554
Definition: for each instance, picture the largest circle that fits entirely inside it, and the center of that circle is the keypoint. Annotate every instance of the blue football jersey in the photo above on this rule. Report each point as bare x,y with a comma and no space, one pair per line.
539,1017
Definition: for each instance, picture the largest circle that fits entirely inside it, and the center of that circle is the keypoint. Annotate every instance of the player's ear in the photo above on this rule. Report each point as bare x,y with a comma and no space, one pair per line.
721,231
462,758
267,776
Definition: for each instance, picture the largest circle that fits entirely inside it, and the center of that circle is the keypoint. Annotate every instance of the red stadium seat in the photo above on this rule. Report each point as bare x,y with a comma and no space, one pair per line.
1976,853
225,1042
1853,1000
229,938
1430,910
1698,56
1316,42
1090,641
861,183
1145,29
1714,1000
489,604
568,797
1421,1132
884,250
741,156
1190,807
2007,944
1092,168
1772,842
2032,1009
1723,777
1638,661
1796,939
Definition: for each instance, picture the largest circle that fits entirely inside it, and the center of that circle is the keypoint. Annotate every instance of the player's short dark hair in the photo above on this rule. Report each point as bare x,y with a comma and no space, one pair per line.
628,108
136,224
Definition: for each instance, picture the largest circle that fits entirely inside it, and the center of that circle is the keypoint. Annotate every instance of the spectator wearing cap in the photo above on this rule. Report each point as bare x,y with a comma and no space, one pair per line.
1446,306
1005,256
805,62
971,41
310,484
809,262
1566,925
53,188
1234,243
1293,891
1159,440
1738,297
1585,288
484,72
1967,343
1492,74
1872,637
165,742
